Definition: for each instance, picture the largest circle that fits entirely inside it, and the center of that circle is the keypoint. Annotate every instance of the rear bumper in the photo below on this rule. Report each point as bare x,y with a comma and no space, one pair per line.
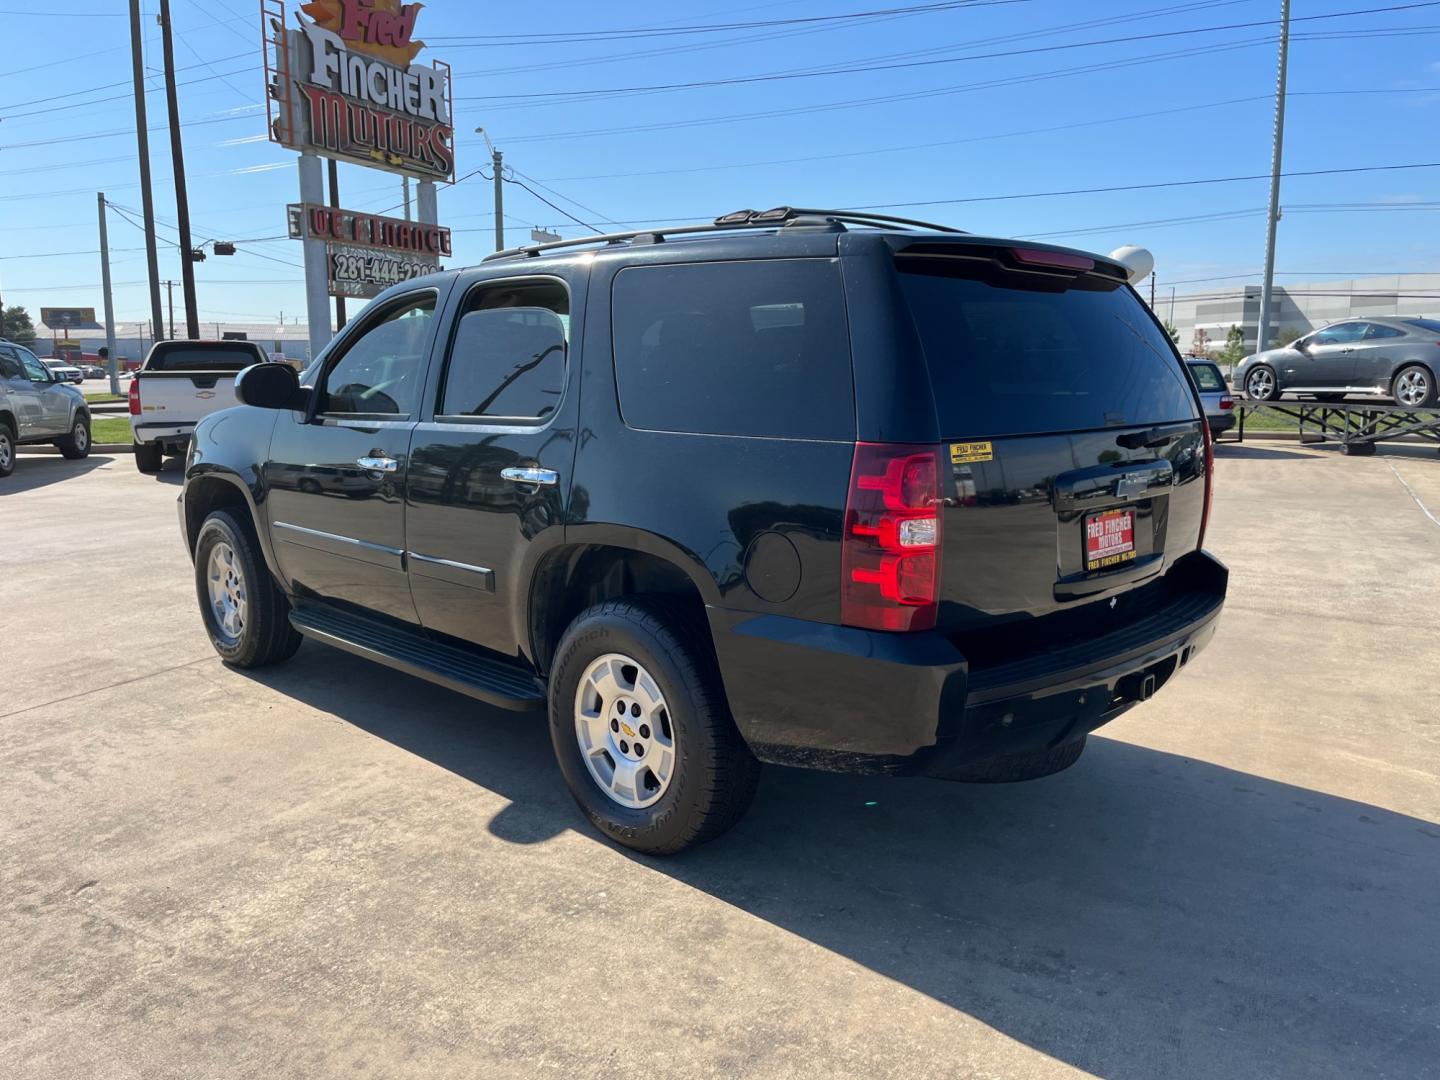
1222,423
834,697
162,433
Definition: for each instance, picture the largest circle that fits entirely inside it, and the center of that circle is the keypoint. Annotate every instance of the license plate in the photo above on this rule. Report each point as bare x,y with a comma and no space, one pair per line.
1109,539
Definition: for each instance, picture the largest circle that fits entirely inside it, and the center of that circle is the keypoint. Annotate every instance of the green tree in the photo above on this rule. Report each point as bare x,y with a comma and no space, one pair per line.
1285,337
1172,331
1234,350
17,325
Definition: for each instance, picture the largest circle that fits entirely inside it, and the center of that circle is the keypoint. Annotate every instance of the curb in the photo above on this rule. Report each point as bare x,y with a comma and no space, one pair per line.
95,448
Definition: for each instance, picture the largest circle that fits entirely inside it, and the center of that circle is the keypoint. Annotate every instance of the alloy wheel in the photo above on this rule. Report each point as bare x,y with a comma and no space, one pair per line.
81,437
623,727
1412,388
225,583
7,449
1260,385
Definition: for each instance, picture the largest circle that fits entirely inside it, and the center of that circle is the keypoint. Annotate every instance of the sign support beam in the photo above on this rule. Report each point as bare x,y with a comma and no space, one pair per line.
317,292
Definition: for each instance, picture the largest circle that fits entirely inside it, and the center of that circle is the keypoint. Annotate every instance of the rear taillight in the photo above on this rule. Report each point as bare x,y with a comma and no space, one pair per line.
1209,482
134,396
890,561
1059,259
1227,403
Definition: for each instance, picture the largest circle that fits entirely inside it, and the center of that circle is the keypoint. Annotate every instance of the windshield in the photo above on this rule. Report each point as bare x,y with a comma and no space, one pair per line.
1014,354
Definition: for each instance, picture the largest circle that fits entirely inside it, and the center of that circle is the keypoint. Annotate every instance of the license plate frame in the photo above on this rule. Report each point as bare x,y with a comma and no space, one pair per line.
1109,539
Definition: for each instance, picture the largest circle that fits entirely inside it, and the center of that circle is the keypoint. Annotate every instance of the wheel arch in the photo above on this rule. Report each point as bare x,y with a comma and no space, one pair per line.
215,489
578,575
8,418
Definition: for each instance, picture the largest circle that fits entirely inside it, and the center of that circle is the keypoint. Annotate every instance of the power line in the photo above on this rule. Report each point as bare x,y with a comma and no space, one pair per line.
914,95
557,209
90,136
633,33
578,95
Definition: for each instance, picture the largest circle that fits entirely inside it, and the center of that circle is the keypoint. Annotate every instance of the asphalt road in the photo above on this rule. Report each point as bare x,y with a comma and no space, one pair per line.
328,869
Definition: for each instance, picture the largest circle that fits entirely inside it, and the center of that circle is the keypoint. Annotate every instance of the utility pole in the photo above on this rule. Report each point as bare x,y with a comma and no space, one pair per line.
335,205
1262,337
177,158
142,137
497,165
113,360
170,288
405,184
1152,290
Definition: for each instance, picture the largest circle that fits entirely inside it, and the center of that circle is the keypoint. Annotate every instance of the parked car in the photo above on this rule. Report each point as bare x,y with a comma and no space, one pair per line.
179,383
1399,358
92,371
64,372
806,487
1215,395
37,407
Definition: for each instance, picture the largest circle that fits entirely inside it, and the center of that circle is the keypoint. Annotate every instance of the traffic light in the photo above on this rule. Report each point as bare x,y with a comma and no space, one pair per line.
198,255
224,247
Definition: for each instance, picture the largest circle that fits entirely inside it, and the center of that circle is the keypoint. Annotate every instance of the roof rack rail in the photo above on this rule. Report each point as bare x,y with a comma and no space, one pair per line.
778,217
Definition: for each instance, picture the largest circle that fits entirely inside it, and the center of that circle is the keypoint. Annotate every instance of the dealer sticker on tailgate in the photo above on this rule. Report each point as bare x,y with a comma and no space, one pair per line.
1109,538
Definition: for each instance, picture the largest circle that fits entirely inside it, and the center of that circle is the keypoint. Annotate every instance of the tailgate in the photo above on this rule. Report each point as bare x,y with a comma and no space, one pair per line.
1039,523
1073,433
183,397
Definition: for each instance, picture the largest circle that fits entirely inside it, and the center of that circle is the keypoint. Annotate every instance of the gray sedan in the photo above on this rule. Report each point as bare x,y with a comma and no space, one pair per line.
1399,358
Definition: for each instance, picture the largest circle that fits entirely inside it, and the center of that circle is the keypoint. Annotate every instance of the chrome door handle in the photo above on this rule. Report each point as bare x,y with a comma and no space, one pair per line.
377,464
530,475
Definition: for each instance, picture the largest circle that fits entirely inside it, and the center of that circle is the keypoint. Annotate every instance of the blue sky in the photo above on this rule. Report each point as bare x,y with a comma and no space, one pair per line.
1151,110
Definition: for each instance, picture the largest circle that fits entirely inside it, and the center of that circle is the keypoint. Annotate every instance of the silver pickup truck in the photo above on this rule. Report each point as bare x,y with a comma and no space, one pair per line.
181,383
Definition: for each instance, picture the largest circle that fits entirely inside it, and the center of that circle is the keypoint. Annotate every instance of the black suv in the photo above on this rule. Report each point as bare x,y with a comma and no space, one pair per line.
807,487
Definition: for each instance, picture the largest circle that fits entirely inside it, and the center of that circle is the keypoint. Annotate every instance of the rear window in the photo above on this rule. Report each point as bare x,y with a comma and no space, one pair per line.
741,348
1430,326
202,358
1013,354
1207,377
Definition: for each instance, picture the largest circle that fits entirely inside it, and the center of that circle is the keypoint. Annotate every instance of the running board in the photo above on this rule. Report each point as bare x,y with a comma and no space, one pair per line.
489,680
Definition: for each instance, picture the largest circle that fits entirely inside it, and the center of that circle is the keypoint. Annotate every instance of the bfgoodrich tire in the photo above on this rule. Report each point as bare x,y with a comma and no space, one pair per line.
642,733
148,457
246,615
76,445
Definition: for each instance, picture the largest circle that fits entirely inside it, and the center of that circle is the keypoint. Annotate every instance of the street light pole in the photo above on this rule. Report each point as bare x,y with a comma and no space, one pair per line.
112,360
497,164
1262,337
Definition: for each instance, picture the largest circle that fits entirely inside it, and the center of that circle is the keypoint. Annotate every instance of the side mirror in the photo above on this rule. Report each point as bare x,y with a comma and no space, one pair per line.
270,386
1300,344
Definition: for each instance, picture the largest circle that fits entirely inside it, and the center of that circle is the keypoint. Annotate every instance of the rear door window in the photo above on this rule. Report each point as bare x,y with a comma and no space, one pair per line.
507,360
758,348
189,357
1013,354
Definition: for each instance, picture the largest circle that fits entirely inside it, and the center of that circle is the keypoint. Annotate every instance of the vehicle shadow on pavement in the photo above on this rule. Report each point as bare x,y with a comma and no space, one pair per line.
1140,915
40,470
1247,450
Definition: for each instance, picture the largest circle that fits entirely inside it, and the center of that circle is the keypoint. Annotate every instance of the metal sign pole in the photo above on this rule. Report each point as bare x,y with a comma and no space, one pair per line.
317,290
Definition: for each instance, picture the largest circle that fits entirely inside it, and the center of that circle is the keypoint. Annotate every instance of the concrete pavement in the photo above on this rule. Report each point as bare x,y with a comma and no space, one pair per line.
329,869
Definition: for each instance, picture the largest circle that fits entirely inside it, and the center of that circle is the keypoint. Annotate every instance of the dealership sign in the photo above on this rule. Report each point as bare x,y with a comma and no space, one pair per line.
368,230
345,85
364,253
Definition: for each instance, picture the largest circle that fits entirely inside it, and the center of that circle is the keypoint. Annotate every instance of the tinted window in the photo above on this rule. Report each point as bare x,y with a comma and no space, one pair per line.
1011,354
34,369
1430,326
189,357
1339,334
743,348
380,372
1207,377
508,356
1375,330
10,365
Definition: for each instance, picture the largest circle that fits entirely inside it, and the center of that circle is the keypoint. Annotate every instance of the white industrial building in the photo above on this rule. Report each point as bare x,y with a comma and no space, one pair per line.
1294,306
